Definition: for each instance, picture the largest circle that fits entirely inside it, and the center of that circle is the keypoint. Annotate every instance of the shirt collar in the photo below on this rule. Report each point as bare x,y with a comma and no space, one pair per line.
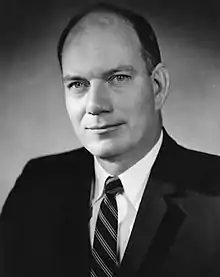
137,174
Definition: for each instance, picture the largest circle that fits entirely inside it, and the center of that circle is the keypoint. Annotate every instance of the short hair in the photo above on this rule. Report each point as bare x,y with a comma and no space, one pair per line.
149,46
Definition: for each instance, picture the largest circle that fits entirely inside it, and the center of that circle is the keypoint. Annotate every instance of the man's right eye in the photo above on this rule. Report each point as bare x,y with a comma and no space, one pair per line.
76,84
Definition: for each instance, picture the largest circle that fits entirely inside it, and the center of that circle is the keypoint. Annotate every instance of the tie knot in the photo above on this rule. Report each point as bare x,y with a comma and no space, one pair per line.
113,186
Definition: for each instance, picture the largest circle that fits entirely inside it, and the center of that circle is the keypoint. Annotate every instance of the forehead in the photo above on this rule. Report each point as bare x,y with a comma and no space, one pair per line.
101,20
101,40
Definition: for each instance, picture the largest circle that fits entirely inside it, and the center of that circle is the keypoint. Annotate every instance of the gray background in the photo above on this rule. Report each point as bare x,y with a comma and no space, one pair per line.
33,119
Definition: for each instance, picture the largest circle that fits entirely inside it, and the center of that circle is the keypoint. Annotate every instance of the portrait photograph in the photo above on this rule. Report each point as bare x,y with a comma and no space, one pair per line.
110,138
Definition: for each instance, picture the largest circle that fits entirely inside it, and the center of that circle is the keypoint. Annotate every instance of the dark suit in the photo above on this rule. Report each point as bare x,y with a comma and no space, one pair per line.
44,222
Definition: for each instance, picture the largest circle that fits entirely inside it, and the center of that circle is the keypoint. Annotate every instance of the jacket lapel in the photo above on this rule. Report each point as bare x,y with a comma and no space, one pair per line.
148,219
159,217
75,228
163,239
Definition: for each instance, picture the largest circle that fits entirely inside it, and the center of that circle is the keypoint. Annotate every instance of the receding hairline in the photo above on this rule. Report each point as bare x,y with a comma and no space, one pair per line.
103,19
136,20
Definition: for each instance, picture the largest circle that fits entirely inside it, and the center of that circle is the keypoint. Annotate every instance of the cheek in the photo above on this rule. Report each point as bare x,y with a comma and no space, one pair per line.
75,111
135,104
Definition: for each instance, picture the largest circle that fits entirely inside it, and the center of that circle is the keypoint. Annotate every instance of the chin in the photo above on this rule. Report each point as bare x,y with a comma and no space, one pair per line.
104,150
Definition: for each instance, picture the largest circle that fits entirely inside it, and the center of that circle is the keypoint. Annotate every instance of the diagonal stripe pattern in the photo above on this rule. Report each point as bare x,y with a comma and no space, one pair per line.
104,252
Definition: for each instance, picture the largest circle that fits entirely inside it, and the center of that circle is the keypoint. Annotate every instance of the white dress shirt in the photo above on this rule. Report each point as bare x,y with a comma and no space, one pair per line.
134,181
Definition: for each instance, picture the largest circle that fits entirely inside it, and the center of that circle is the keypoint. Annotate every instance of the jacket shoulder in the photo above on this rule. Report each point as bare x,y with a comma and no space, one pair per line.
58,163
49,179
202,170
192,170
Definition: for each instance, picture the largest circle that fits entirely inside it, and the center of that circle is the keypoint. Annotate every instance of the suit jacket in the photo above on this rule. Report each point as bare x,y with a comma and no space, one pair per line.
44,222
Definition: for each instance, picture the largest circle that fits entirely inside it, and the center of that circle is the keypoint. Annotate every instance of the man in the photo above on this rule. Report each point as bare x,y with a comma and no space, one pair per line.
166,215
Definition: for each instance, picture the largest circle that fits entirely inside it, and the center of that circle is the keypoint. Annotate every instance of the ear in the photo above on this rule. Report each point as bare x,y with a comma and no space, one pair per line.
161,82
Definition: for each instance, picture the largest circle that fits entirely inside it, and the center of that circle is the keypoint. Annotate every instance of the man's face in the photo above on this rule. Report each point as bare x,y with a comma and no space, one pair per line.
109,94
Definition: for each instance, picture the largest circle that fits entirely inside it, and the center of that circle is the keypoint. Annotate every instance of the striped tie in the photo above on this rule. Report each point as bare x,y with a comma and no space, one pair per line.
104,261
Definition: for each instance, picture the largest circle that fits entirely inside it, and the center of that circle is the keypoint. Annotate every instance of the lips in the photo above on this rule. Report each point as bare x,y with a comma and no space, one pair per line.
103,126
100,127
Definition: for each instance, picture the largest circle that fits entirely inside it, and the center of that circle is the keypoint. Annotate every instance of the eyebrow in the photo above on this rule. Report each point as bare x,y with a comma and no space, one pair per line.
104,75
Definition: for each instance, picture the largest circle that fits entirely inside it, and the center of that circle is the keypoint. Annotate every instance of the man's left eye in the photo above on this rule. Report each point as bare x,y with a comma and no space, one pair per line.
120,79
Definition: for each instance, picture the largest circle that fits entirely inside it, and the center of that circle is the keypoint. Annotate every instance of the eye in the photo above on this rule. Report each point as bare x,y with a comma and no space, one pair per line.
78,84
119,79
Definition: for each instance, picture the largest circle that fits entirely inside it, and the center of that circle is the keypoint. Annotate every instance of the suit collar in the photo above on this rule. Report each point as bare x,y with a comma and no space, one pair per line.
137,174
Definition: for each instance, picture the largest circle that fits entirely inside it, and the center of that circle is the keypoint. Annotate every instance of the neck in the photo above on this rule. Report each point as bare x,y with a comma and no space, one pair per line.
118,164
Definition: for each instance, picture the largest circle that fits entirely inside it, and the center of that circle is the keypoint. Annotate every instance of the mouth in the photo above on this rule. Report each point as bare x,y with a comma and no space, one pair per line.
104,128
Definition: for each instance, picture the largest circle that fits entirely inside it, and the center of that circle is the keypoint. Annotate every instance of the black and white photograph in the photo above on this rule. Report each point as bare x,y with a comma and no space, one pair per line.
109,138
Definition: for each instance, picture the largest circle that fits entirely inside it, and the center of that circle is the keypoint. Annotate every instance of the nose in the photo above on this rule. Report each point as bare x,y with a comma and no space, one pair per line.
99,99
